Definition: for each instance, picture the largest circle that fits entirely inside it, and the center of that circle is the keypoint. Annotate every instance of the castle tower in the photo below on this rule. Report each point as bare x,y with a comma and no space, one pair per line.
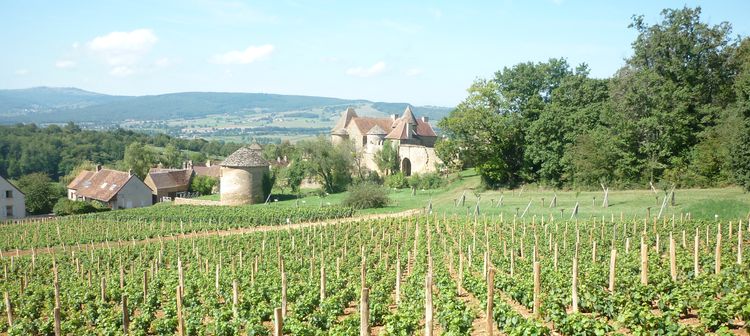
242,175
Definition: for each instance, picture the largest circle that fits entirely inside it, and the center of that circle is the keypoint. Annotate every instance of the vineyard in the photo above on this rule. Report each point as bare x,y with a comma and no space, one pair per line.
423,275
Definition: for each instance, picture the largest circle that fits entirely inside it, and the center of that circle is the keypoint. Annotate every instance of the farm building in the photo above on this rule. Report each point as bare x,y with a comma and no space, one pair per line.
210,168
116,189
12,201
168,183
413,136
242,176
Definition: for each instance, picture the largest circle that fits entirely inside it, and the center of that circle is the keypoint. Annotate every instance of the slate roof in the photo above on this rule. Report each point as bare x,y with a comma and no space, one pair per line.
245,157
101,185
170,178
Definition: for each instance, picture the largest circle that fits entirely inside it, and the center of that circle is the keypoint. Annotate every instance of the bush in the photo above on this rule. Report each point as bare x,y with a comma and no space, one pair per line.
427,181
65,207
203,184
397,180
369,177
366,196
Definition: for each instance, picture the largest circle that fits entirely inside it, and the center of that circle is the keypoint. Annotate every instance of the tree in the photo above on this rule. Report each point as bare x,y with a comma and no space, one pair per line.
172,157
332,165
40,193
387,158
139,158
292,175
490,139
203,185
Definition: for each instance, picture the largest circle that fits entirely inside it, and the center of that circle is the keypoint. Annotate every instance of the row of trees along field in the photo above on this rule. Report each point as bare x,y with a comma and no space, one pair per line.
57,150
418,275
676,112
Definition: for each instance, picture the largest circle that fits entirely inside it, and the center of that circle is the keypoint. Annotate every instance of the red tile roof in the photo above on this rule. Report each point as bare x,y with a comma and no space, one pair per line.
101,185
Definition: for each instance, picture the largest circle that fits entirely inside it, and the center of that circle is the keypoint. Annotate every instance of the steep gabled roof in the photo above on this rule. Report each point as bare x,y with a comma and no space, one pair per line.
346,117
424,129
170,178
409,116
400,132
245,157
12,185
365,124
101,185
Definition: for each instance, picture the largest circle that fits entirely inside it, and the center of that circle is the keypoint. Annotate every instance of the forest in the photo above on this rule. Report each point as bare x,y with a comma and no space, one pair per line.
57,150
676,113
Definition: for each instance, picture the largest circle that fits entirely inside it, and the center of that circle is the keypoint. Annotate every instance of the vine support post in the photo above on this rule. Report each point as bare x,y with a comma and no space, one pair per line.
235,299
612,265
364,313
739,243
8,309
398,279
278,322
672,258
56,312
717,262
537,289
125,315
696,247
490,301
428,316
180,320
574,281
644,261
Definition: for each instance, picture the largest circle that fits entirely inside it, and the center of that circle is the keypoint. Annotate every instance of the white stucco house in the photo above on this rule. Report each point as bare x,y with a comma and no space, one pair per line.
12,201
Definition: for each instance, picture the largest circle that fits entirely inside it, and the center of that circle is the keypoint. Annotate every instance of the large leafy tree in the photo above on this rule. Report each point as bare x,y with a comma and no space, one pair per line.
387,158
139,158
40,193
331,164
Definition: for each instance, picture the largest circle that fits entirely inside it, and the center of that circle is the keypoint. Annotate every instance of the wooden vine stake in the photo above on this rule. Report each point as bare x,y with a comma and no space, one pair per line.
125,315
739,243
322,282
428,320
364,313
672,258
56,312
612,263
717,262
537,289
278,322
398,280
575,280
180,319
235,299
696,246
490,301
644,262
8,309
283,294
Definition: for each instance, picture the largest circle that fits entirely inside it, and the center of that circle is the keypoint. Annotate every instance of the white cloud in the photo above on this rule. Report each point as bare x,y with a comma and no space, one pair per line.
414,72
123,48
121,71
367,72
65,64
22,72
247,56
163,62
557,2
436,13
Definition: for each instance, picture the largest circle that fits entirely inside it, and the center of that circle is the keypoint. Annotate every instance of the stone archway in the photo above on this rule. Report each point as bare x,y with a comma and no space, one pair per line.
406,167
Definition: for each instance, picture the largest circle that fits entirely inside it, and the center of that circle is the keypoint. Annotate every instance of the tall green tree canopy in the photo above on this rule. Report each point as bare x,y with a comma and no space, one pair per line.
330,164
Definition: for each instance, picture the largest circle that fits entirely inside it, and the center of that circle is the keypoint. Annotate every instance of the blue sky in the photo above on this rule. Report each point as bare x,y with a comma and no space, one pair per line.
425,53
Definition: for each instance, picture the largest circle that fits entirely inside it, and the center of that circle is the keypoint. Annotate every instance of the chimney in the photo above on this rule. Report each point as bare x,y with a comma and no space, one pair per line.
98,167
190,164
285,160
130,172
278,159
394,117
208,163
425,119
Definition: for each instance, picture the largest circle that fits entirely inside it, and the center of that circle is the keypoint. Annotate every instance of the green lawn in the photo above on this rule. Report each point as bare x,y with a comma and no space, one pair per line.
727,203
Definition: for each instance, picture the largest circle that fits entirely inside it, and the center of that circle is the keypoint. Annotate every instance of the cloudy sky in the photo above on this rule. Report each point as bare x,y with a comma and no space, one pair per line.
399,51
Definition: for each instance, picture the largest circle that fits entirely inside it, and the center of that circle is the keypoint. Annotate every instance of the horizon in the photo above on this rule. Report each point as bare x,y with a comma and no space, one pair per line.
418,53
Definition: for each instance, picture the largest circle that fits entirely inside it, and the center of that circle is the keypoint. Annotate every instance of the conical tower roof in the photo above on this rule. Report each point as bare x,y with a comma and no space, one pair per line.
376,130
245,157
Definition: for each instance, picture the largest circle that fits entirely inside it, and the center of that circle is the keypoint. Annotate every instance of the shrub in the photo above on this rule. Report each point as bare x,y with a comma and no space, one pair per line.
397,180
65,207
203,184
427,181
366,195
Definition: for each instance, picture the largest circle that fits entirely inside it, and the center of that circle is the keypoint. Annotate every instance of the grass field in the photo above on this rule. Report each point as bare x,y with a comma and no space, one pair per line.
727,203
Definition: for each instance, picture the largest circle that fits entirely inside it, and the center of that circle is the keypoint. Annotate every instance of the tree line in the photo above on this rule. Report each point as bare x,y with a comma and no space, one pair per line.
676,113
56,151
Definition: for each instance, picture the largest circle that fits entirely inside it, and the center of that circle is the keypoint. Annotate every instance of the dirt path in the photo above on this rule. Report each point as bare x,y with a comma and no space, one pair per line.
54,249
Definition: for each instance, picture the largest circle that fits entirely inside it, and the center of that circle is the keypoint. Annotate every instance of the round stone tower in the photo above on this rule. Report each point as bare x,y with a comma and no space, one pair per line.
242,175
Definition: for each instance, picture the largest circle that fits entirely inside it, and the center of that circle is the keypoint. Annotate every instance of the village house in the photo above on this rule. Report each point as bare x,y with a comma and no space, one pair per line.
167,184
12,201
210,168
116,189
414,138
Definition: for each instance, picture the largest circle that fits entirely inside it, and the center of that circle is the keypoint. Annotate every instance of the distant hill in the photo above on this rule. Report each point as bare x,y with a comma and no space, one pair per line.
58,105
